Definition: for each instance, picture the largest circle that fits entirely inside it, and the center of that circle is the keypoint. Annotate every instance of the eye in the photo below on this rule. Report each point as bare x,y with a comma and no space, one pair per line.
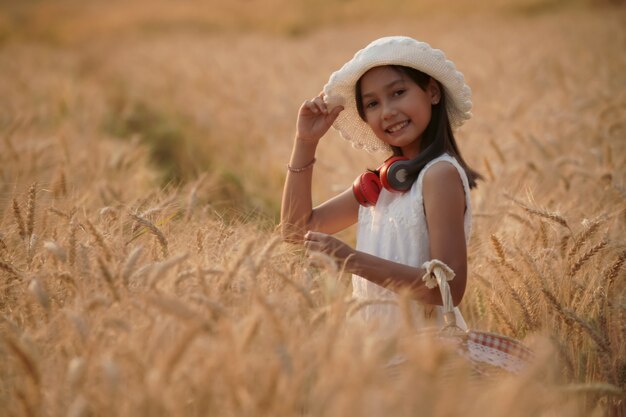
371,104
399,92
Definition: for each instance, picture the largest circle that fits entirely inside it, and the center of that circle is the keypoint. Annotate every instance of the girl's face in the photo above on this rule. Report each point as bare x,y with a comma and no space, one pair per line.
396,108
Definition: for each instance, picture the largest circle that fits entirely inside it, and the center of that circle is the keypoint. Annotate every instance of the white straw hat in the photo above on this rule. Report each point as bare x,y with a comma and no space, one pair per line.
393,50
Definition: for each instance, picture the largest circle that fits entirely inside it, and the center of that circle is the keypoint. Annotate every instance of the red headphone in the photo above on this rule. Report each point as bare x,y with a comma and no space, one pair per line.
392,175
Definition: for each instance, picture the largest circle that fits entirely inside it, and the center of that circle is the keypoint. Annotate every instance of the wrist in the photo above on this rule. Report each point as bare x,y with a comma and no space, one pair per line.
350,261
303,153
306,142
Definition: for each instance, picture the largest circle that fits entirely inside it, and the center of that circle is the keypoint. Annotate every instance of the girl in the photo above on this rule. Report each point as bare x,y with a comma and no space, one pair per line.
402,96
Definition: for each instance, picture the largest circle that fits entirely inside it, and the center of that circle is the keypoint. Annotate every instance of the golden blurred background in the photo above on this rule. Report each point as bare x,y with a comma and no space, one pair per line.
142,157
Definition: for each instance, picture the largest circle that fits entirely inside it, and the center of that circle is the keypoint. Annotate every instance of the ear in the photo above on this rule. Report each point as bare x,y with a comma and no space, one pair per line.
434,91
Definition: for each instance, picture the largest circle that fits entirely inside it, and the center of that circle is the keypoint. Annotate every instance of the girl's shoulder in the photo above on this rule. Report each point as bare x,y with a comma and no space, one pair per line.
443,170
439,168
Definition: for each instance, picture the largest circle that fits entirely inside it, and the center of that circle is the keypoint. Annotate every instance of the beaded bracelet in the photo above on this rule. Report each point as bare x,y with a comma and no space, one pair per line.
301,169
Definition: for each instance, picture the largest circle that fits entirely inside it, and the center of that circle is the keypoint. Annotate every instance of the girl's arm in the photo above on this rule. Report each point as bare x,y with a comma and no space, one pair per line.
444,204
297,212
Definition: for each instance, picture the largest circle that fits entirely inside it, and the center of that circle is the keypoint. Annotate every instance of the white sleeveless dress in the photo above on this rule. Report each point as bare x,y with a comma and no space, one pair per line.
395,229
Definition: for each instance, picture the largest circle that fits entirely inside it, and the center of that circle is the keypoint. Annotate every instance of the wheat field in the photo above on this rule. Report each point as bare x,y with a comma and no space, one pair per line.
142,160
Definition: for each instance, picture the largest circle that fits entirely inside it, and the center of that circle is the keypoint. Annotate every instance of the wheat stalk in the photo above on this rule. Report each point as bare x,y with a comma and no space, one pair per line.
273,318
601,388
202,272
26,360
498,151
232,270
217,310
180,348
192,199
569,364
250,332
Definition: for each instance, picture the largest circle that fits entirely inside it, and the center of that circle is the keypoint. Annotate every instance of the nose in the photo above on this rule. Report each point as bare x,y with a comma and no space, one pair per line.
389,111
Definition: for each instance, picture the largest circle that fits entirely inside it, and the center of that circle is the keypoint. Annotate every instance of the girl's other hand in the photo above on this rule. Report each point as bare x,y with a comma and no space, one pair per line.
321,242
314,119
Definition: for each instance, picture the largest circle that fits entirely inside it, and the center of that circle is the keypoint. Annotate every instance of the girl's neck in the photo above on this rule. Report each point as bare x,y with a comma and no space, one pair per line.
412,150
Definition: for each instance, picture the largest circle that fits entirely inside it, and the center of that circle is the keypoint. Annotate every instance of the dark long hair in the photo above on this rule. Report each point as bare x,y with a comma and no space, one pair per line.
438,137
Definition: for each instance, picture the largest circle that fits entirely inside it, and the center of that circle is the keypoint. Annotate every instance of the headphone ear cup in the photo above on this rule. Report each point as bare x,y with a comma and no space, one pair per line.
366,189
394,174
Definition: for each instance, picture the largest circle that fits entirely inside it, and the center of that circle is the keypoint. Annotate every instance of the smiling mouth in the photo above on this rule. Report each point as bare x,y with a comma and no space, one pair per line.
397,127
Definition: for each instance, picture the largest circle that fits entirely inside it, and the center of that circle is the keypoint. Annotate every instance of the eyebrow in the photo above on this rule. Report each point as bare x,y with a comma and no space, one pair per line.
386,87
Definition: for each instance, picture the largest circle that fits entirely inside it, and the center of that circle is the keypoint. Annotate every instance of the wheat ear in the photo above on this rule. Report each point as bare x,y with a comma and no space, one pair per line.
586,234
71,253
613,270
154,230
180,348
5,266
273,317
3,246
490,174
59,213
129,266
499,248
585,257
550,215
25,360
99,240
570,318
30,209
518,299
500,316
199,241
59,188
108,278
18,219
299,288
173,307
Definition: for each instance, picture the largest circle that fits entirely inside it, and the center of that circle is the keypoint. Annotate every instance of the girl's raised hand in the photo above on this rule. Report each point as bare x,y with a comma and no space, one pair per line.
314,119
